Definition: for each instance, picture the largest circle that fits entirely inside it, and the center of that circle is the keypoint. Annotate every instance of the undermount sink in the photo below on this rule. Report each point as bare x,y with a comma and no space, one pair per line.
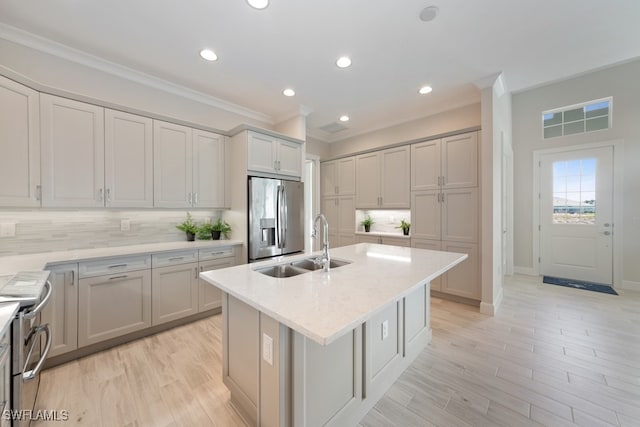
298,267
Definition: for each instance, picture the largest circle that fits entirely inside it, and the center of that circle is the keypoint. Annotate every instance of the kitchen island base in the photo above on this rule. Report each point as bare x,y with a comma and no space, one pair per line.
279,377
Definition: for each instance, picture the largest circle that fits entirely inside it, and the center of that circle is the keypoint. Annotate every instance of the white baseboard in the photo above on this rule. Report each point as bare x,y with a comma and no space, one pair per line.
527,271
492,309
630,285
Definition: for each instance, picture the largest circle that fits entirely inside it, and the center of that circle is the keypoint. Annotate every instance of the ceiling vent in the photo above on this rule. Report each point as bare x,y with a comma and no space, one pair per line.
334,127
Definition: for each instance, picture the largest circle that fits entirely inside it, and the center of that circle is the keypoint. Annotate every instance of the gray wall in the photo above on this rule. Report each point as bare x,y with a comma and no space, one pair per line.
621,82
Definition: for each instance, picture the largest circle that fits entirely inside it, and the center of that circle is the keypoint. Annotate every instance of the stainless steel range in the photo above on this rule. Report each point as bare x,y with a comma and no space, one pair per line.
32,290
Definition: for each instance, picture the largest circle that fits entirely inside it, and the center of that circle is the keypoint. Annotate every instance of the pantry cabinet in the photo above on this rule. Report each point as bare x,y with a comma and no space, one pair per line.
338,177
271,155
72,137
20,148
61,312
340,213
448,215
383,179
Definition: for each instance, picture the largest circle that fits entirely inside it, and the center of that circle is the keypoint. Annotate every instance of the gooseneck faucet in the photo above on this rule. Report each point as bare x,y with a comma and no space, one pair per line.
325,260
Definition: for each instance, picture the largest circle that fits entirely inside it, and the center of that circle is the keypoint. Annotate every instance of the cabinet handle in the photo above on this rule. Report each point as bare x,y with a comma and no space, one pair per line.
176,258
337,190
196,198
118,277
196,271
117,266
201,269
38,192
108,192
442,197
73,277
443,182
190,198
100,199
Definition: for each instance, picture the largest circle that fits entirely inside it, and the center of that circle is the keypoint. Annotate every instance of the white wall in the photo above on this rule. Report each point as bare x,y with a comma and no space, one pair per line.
317,148
621,82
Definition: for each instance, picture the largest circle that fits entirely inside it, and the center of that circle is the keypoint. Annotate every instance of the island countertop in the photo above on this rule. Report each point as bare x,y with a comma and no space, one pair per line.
324,306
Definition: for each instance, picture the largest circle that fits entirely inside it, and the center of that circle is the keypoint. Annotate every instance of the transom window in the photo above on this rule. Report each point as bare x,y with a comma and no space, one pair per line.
587,117
574,191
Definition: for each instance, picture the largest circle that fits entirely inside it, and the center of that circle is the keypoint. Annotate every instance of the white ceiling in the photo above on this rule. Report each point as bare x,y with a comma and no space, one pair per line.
294,43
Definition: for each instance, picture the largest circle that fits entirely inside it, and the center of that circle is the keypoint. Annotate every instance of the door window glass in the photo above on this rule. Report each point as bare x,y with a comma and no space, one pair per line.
574,191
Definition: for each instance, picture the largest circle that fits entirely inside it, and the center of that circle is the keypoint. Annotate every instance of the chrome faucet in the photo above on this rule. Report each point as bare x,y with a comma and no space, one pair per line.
325,260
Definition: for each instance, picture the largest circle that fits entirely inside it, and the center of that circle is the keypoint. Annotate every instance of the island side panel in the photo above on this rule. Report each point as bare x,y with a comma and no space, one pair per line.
417,324
275,378
241,342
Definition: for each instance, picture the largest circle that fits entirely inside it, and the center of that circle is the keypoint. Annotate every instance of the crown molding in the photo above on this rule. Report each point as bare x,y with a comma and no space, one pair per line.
301,111
62,51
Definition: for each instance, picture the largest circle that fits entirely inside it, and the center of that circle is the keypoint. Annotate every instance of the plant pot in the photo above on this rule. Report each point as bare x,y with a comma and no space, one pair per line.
191,237
367,228
215,235
405,231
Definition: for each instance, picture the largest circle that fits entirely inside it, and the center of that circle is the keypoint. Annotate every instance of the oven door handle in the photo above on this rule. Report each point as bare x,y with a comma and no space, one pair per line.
31,314
31,374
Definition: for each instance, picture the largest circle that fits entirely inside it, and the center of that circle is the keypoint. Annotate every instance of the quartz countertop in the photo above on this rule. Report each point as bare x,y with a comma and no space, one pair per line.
8,311
382,234
35,262
324,306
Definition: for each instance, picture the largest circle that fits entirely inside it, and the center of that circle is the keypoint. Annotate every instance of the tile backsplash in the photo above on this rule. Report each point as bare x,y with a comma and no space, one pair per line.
384,220
60,230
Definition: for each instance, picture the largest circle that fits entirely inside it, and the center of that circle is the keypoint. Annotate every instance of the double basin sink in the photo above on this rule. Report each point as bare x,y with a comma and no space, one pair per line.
295,268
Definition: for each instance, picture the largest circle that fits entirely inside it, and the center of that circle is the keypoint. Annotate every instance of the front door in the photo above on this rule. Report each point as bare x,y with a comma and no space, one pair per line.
576,212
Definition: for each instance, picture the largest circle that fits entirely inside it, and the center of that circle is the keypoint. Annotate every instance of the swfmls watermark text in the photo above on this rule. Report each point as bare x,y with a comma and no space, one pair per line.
36,415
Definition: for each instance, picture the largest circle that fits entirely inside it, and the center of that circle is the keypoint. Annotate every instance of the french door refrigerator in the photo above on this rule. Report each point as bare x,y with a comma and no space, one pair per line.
276,217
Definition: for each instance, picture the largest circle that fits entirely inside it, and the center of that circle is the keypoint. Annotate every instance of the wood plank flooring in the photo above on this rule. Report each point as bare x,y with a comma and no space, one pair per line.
552,356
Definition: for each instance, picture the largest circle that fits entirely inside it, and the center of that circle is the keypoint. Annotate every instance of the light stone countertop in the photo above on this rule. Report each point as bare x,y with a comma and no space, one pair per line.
382,234
324,306
8,311
36,262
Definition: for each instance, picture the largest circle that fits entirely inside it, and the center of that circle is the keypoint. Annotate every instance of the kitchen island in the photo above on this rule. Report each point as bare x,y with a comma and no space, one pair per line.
320,348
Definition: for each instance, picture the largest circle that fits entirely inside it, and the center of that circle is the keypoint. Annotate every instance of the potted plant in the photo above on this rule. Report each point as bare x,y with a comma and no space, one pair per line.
190,227
405,227
205,232
367,223
220,227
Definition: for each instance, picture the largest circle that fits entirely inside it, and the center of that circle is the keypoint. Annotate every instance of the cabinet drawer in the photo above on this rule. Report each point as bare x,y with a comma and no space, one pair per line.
114,265
214,253
174,258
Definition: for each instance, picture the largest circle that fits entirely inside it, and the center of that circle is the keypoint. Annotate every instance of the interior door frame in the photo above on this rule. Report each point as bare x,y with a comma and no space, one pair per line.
618,174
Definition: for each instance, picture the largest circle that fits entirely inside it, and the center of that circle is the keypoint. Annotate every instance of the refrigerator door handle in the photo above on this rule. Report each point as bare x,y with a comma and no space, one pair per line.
278,217
285,218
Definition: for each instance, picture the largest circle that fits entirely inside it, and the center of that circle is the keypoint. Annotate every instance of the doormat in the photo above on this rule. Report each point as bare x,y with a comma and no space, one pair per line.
579,284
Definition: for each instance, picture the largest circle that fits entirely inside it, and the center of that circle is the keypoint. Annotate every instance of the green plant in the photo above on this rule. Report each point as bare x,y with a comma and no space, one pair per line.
367,222
189,226
221,226
405,226
204,232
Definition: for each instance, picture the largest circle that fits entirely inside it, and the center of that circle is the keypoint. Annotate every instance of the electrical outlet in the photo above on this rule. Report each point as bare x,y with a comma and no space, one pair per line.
125,225
267,349
385,330
8,229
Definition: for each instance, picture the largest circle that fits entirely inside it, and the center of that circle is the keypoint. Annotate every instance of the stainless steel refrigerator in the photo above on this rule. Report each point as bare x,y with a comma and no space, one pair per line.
276,217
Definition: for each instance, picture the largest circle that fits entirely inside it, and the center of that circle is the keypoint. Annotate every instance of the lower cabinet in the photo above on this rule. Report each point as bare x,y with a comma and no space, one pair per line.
384,240
61,312
210,297
114,305
175,292
434,245
463,279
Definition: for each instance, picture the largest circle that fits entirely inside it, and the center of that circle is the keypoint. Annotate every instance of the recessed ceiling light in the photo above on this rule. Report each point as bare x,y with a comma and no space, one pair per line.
425,89
258,4
288,92
208,54
429,13
344,118
343,62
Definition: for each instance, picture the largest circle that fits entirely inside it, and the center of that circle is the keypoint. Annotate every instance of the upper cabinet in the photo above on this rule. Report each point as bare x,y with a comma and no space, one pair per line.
128,160
268,154
382,179
338,177
20,145
189,167
445,163
72,135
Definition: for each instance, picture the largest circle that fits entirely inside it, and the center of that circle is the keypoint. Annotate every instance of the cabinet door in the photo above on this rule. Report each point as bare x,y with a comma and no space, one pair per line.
395,178
346,215
20,145
331,211
328,175
128,160
425,165
208,169
460,160
210,297
346,176
460,215
175,292
261,153
426,215
361,238
72,136
172,165
289,156
463,279
396,241
112,306
61,313
346,239
434,245
368,180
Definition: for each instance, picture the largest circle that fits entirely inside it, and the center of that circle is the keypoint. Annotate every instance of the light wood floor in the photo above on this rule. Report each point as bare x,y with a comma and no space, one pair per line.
552,356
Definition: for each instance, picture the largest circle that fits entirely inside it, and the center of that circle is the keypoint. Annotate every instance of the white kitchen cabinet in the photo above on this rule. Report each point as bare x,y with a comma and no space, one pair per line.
210,297
268,154
114,305
445,163
174,292
128,160
20,147
72,138
383,179
338,177
340,213
61,312
383,240
189,167
434,245
463,279
448,215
